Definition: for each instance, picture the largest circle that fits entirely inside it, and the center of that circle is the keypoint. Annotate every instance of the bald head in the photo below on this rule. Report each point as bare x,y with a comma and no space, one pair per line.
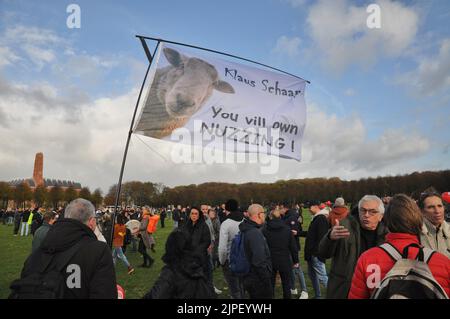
256,213
255,209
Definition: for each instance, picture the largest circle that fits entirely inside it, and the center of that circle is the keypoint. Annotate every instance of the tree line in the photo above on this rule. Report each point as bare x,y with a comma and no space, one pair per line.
283,191
55,197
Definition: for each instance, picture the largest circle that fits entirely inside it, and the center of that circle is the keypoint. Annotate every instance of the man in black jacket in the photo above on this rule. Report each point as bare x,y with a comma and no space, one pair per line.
258,281
89,274
317,229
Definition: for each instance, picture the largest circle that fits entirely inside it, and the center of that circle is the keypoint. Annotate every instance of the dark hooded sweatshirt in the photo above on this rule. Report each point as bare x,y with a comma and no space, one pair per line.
98,278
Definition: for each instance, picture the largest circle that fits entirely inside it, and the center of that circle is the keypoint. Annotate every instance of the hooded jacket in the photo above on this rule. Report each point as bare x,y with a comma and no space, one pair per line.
256,249
228,230
281,242
182,277
98,278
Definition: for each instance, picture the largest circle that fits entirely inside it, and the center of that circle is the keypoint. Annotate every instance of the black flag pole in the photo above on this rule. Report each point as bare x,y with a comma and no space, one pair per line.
119,185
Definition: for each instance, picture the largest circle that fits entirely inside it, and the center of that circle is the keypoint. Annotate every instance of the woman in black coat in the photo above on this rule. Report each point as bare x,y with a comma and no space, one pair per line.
283,251
182,277
198,232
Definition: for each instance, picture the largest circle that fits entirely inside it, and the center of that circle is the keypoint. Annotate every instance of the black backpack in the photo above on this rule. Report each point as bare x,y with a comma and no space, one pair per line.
48,281
409,278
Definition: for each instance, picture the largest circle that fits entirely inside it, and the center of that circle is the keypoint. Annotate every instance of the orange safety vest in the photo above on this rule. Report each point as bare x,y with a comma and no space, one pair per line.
153,220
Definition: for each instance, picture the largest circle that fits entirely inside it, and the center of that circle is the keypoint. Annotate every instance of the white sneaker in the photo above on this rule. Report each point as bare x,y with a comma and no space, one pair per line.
294,291
217,291
304,295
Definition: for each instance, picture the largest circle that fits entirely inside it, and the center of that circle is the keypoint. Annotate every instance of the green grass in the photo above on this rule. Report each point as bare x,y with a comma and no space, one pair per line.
14,251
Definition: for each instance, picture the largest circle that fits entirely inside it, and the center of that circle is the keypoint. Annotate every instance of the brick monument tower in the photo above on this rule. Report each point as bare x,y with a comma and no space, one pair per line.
38,174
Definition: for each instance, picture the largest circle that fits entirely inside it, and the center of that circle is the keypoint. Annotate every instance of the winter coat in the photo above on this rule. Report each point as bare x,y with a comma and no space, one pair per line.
183,279
258,254
436,240
291,219
98,278
143,232
119,234
281,242
317,229
40,235
345,253
200,237
228,230
439,265
176,215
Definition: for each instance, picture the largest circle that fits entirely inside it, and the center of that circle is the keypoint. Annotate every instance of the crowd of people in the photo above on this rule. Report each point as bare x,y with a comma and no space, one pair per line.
380,232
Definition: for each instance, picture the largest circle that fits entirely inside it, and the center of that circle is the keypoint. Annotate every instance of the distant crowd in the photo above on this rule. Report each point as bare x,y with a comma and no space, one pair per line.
393,247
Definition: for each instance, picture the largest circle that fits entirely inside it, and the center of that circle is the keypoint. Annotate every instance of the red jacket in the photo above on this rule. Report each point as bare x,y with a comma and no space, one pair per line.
439,265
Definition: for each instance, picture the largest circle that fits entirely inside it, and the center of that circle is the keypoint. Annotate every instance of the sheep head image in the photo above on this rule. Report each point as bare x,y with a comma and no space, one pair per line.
188,83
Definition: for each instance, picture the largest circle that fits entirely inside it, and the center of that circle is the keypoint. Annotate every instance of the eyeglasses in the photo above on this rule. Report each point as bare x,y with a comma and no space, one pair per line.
372,212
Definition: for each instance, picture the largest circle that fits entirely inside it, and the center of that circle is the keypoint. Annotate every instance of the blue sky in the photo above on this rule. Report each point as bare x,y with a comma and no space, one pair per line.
378,103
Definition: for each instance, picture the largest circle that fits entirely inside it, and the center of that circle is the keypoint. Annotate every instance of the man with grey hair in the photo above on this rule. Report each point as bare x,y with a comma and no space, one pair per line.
258,282
72,248
348,239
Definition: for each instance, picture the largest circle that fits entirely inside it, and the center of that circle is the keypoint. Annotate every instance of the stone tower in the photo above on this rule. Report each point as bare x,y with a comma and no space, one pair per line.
38,174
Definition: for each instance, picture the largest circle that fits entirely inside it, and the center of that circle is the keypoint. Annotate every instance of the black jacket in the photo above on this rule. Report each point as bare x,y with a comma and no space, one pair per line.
256,249
291,219
199,236
176,215
183,279
98,278
317,229
281,242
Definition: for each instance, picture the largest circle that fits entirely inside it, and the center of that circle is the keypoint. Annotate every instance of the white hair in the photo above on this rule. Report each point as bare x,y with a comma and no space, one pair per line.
370,198
80,209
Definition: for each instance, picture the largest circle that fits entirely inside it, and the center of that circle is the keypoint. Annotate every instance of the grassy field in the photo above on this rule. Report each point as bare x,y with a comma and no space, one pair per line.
15,249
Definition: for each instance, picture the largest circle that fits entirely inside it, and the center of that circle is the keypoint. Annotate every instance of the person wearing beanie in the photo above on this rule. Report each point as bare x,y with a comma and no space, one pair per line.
339,211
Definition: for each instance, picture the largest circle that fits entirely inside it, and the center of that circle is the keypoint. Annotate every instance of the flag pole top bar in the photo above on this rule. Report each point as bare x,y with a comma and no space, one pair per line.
141,37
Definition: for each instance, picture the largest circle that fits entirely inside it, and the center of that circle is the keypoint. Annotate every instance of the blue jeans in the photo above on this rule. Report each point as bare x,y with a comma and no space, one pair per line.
118,253
318,274
298,273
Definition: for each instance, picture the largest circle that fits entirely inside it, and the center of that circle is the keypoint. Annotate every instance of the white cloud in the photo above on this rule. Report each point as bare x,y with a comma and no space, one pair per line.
287,46
343,142
7,57
39,56
89,150
341,36
432,73
37,44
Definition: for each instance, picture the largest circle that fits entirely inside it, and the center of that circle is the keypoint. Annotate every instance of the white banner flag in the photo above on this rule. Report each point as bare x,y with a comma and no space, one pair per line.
222,104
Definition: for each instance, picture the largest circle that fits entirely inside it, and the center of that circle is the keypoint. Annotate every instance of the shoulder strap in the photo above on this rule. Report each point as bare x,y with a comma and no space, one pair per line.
427,254
391,251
